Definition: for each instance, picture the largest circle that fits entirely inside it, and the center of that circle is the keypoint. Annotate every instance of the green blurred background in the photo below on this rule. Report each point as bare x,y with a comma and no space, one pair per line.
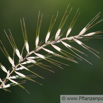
81,78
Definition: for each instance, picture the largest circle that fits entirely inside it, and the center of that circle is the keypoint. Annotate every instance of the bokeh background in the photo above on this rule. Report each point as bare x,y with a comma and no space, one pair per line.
81,78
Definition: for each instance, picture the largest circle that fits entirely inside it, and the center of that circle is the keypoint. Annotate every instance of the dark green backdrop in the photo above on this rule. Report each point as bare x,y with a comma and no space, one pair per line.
81,78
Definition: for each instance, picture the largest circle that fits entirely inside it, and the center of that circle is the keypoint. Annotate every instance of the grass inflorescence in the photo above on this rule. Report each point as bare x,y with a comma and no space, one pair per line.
34,57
